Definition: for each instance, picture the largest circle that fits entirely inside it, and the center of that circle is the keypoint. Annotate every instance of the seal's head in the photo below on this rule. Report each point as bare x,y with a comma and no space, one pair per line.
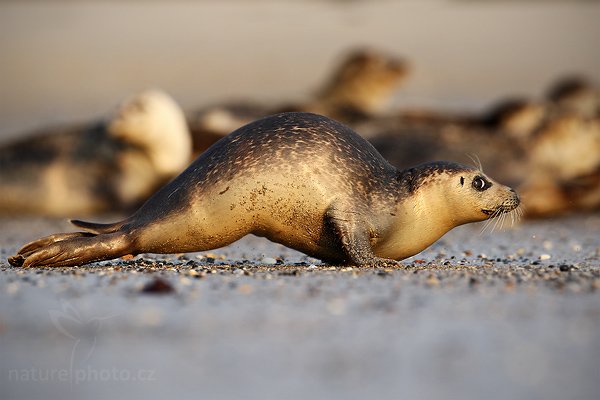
459,194
152,121
436,197
364,81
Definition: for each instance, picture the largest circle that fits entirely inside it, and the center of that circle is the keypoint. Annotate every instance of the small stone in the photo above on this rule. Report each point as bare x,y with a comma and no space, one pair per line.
564,268
432,280
12,288
151,317
544,257
245,289
269,261
185,281
158,286
336,307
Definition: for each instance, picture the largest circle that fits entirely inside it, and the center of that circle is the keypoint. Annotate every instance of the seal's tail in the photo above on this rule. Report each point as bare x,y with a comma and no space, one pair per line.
69,249
98,228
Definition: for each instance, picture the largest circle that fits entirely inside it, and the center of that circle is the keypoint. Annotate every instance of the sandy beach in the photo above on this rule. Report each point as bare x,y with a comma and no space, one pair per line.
509,314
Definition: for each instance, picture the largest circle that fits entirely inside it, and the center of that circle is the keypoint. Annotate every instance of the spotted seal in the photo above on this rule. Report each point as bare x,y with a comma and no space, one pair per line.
299,179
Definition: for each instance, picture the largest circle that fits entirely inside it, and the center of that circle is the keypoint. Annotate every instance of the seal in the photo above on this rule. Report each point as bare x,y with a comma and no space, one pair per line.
362,85
112,164
299,179
576,95
563,167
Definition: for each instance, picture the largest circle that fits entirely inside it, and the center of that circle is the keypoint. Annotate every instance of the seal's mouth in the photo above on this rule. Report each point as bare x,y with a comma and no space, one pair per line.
508,211
504,208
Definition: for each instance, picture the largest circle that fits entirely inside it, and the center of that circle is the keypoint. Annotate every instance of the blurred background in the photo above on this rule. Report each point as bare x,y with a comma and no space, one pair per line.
65,61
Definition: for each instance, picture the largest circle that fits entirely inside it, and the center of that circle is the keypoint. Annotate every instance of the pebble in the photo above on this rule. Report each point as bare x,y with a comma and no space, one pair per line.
544,257
12,288
269,261
185,281
245,289
158,286
432,280
336,306
151,317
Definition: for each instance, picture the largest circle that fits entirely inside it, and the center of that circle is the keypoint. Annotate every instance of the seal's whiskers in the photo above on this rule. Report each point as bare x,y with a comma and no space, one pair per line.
499,217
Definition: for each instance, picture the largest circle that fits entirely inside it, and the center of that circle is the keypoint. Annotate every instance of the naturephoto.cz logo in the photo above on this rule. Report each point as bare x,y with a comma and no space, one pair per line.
84,334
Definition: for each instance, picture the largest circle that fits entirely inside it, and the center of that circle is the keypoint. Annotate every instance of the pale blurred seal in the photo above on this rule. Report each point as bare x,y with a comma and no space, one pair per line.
114,164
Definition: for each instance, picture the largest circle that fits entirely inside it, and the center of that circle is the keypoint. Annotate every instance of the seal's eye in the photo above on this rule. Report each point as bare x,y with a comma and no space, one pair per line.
480,184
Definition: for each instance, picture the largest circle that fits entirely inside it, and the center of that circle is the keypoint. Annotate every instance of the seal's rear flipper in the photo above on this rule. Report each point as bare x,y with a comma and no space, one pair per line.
70,249
98,228
48,240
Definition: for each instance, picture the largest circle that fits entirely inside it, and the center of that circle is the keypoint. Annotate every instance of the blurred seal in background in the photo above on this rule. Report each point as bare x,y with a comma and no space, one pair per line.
113,164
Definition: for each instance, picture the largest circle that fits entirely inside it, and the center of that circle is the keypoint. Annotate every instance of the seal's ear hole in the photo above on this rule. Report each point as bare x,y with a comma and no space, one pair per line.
462,181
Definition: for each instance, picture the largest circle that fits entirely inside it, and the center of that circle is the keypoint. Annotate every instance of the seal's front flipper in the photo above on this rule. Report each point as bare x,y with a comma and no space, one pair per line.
353,235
